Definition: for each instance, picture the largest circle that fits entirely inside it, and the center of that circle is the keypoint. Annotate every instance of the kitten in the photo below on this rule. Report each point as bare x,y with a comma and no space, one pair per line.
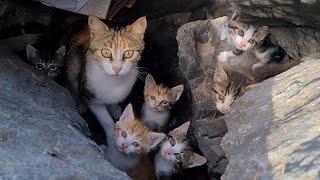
129,140
158,102
251,44
229,85
175,153
102,64
45,59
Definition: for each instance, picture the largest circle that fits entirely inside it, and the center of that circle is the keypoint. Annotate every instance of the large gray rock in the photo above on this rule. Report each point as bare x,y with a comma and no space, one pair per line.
273,130
41,133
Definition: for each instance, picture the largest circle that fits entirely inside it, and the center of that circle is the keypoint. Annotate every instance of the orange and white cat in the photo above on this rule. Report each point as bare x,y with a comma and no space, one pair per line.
159,100
102,64
129,141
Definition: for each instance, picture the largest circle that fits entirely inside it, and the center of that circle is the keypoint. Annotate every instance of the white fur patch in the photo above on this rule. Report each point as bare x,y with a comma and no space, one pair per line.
155,120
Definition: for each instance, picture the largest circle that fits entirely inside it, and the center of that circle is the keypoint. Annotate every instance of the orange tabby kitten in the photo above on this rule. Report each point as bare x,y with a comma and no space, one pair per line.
129,140
158,102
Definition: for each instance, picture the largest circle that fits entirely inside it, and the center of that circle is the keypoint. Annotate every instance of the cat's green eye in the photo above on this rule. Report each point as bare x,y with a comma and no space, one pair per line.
106,53
221,98
252,41
135,144
241,32
172,142
128,54
164,102
177,156
153,97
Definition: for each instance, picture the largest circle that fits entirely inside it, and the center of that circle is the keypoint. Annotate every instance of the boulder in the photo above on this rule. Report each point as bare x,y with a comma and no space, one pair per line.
42,136
273,130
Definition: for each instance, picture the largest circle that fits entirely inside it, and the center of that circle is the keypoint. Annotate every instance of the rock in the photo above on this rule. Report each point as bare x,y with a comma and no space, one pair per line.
208,133
41,132
299,12
273,130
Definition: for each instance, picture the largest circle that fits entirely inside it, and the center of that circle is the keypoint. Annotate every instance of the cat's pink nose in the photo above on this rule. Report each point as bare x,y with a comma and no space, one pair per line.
117,68
169,152
124,145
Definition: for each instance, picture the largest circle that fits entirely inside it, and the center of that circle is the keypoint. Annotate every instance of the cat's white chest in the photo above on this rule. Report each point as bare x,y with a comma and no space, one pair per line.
154,119
109,89
162,166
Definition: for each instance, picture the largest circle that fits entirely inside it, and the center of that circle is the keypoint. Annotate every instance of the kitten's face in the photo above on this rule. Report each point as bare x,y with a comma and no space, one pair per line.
175,149
49,65
225,91
133,137
246,36
158,97
116,51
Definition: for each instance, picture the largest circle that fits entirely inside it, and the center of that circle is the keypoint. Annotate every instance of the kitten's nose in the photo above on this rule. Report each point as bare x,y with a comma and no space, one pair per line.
169,152
45,71
117,68
124,145
225,109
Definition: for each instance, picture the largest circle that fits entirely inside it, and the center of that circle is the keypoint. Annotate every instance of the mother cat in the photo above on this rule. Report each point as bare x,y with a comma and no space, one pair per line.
103,70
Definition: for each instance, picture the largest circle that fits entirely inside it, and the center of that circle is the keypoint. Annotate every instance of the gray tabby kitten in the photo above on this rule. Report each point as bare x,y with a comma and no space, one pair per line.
175,153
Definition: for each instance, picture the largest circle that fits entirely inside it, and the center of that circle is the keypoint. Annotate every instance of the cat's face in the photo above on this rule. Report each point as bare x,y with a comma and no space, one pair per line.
116,51
158,97
132,136
49,64
175,149
245,36
226,90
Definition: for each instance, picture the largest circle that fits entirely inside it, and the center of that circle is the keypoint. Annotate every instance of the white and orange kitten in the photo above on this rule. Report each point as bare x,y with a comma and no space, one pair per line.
107,70
129,140
175,153
158,103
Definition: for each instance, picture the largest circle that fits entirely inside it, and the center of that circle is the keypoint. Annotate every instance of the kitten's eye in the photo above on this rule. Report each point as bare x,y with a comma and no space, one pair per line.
106,53
124,134
177,156
221,98
172,142
135,144
39,66
252,41
52,67
128,54
153,97
164,102
241,32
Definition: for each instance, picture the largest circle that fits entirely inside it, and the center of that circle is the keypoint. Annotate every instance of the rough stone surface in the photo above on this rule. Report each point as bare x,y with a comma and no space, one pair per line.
297,12
41,133
276,136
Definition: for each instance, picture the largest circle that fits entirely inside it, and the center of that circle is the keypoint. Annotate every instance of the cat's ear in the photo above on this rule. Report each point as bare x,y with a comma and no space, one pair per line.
96,26
139,26
220,76
183,129
149,82
196,160
155,138
262,32
176,92
127,114
32,53
60,53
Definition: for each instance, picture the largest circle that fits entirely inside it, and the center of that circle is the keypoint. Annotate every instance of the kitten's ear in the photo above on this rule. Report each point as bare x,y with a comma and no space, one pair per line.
183,129
176,92
139,26
61,51
127,114
235,16
262,33
96,26
196,160
155,138
220,76
32,52
149,82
